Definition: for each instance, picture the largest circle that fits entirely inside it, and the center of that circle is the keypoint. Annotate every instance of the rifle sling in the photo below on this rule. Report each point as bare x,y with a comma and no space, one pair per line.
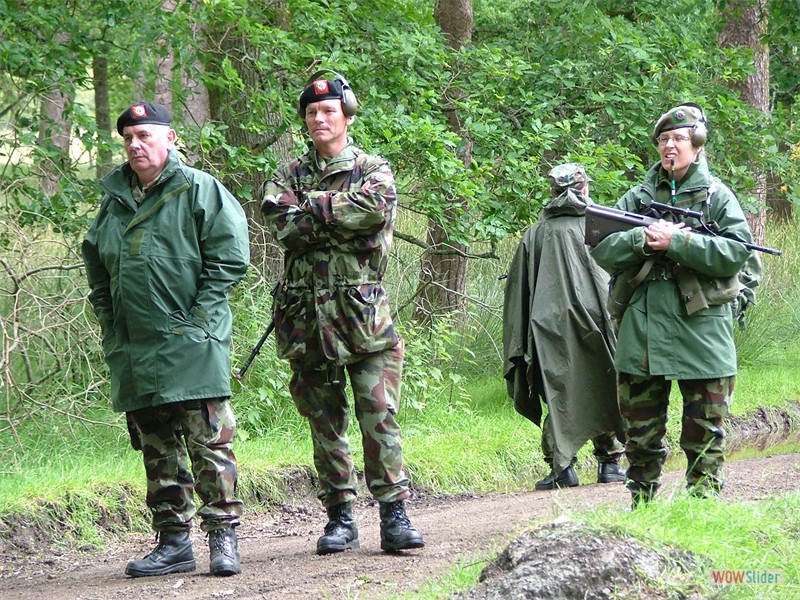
643,271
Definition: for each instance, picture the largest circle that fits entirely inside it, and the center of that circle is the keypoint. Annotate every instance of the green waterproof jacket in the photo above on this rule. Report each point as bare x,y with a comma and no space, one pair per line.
335,220
558,339
159,274
657,336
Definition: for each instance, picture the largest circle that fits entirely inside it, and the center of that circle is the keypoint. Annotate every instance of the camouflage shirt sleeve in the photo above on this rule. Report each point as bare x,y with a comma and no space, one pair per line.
363,210
291,220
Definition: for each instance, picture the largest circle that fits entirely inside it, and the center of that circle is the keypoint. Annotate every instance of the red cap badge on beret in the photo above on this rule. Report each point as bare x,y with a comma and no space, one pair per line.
142,113
320,87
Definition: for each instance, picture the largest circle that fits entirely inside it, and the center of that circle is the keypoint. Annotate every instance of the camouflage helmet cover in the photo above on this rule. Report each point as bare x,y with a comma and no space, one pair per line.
568,175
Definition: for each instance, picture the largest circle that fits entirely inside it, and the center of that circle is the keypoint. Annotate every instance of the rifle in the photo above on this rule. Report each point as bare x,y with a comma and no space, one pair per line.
255,351
602,221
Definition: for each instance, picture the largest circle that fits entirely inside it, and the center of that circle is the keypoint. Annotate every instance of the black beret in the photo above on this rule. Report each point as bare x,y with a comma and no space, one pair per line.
321,89
144,112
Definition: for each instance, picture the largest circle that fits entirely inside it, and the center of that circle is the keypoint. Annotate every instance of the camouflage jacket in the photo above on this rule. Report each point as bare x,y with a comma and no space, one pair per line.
335,220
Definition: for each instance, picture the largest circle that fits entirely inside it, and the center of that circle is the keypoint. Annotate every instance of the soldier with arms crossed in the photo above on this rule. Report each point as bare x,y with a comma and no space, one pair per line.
333,211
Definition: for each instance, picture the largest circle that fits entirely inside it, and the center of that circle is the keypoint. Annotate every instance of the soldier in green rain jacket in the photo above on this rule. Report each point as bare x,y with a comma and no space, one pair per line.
166,246
678,325
333,211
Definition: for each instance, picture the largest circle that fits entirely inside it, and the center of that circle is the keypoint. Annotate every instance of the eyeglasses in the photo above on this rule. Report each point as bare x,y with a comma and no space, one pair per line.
663,140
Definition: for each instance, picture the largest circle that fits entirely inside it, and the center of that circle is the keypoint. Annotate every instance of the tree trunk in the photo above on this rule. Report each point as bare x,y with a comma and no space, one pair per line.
166,65
745,22
196,104
443,275
102,111
55,127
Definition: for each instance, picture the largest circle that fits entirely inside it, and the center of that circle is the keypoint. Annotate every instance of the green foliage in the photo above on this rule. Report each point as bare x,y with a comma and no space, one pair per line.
261,400
542,82
428,373
771,326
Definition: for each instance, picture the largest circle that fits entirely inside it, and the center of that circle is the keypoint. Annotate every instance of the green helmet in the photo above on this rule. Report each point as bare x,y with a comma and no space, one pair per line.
568,175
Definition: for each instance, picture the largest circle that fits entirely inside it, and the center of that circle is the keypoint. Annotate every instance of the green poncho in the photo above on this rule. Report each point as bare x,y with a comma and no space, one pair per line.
558,340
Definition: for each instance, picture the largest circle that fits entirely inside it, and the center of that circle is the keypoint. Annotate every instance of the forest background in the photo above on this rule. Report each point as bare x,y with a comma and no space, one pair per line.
471,102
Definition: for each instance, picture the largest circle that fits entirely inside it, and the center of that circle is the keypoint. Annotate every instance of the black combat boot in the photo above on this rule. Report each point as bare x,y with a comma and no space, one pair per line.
341,532
224,552
610,472
173,554
397,533
567,478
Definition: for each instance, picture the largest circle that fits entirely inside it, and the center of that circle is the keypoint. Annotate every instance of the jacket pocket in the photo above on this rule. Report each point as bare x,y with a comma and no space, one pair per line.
359,321
179,324
292,312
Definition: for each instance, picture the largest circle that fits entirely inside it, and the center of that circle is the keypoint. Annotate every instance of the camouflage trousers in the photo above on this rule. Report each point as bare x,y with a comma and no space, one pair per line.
607,448
643,402
320,396
187,448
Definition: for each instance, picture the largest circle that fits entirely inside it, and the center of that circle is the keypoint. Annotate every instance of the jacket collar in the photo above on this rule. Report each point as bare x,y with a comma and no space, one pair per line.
343,161
121,180
698,176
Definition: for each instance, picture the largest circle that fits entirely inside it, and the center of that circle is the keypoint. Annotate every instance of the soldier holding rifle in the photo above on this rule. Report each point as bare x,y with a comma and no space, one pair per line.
678,324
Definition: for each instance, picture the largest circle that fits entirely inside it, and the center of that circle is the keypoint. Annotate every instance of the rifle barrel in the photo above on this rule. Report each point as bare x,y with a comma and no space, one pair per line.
255,351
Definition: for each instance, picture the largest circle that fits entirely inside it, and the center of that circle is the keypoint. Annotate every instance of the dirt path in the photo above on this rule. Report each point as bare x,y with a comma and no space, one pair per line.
279,561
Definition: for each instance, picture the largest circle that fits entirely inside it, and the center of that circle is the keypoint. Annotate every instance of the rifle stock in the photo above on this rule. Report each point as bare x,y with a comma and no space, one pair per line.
602,221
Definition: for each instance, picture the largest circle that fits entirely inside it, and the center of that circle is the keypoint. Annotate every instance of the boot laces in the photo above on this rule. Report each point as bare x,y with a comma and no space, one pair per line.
400,516
160,549
221,542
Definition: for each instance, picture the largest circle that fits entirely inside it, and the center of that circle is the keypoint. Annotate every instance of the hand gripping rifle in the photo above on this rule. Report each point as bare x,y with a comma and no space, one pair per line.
255,351
602,221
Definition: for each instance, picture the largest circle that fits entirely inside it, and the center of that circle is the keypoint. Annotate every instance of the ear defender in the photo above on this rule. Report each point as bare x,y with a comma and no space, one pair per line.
699,129
349,101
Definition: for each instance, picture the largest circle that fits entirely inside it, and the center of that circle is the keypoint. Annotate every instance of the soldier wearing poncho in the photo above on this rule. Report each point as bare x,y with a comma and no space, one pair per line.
333,211
558,340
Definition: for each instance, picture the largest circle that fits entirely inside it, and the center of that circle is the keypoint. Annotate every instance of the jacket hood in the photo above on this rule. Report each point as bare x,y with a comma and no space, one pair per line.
570,203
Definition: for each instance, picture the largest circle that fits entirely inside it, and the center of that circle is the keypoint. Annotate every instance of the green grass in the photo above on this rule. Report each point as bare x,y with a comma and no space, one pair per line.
759,536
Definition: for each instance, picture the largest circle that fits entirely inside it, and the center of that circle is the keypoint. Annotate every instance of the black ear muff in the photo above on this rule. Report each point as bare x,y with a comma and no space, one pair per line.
349,101
699,129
